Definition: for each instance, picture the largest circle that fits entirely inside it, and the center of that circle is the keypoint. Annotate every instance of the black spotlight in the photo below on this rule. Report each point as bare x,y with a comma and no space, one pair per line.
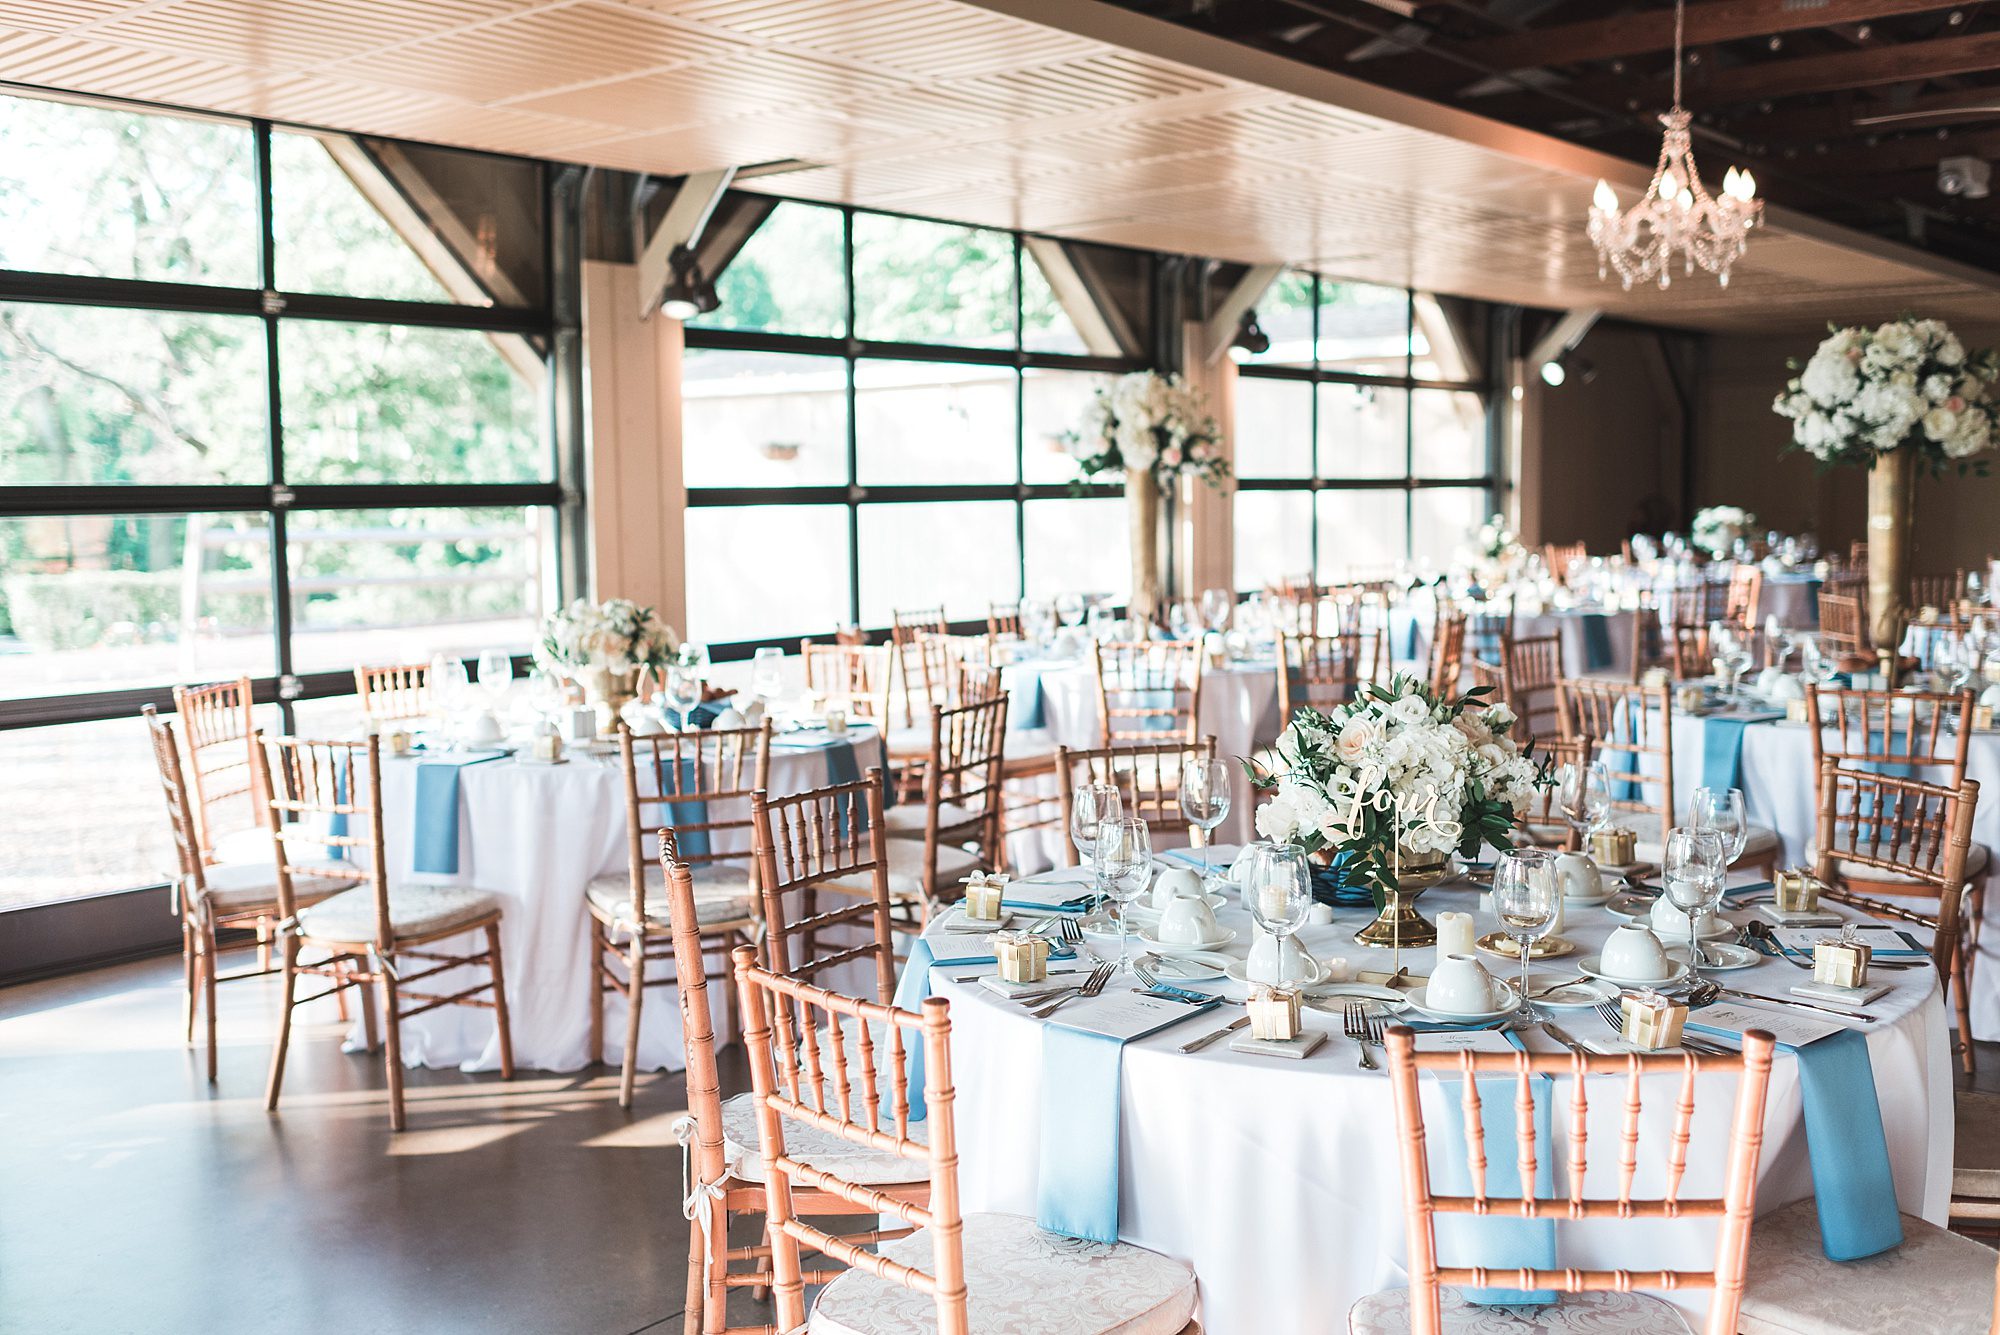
1250,335
1568,366
689,292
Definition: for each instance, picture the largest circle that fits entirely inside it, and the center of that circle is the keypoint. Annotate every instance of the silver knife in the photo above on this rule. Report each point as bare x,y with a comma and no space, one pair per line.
1803,1005
1197,1044
1549,1028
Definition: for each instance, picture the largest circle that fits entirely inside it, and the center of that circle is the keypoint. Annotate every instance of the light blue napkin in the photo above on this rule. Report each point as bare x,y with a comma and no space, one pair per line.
1626,719
1494,1242
1852,1182
436,830
1596,640
914,988
1722,748
1026,708
680,815
336,824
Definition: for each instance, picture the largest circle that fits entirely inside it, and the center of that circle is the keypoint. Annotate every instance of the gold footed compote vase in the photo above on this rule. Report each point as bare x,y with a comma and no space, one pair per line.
1399,925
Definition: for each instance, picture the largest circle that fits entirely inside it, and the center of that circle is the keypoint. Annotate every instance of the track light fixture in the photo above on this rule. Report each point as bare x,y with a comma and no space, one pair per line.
688,292
1250,335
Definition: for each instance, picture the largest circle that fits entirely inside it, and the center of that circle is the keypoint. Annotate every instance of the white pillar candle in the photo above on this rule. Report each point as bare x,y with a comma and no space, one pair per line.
1455,936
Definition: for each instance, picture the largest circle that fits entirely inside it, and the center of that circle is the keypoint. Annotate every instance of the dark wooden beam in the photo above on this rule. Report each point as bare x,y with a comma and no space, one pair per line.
1964,106
1653,30
1914,153
1767,80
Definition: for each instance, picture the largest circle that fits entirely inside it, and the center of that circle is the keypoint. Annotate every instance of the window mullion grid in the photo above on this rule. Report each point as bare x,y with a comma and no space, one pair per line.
276,517
1020,428
853,427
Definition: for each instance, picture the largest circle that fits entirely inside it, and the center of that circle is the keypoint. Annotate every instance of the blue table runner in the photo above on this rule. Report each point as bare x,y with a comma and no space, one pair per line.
437,806
1494,1242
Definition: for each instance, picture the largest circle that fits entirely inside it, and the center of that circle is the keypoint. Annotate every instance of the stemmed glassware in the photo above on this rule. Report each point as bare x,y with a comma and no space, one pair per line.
496,676
1205,802
1090,806
1823,666
451,691
1583,791
1731,654
1038,621
1277,891
1722,810
1526,894
683,692
767,673
1124,860
1692,870
1216,605
1182,618
1778,643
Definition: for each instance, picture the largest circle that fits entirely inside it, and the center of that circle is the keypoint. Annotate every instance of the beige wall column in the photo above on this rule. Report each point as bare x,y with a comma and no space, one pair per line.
1205,537
638,500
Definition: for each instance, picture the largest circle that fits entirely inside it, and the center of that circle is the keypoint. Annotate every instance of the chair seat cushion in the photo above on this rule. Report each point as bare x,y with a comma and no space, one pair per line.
1762,843
912,742
1936,1282
1388,1313
742,1149
1019,1278
414,911
722,893
238,887
907,820
906,871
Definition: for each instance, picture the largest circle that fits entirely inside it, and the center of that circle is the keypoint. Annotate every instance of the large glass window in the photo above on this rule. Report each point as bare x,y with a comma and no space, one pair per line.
922,462
211,470
1352,456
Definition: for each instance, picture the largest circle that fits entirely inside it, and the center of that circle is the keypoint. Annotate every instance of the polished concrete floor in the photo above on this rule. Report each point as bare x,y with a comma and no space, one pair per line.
136,1198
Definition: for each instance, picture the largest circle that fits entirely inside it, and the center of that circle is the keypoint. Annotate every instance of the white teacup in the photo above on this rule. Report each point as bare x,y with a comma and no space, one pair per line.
1768,679
1579,877
1188,922
1787,687
1175,883
732,718
1633,952
1278,960
1668,917
1459,985
484,728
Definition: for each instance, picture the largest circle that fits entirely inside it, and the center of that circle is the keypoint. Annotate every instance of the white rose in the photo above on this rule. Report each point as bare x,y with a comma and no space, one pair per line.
1940,424
1409,709
1354,741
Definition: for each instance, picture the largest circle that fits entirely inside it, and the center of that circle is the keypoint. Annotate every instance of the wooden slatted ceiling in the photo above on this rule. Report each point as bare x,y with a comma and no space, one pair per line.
959,110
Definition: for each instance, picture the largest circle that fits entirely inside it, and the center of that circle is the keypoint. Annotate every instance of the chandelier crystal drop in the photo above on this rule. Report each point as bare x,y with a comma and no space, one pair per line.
1677,218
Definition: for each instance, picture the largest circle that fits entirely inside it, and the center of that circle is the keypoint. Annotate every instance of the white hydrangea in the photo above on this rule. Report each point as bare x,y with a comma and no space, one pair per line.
1903,384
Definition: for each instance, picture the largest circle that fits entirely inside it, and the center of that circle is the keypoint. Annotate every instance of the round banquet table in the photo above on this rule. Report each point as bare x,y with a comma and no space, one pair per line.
1273,1178
535,836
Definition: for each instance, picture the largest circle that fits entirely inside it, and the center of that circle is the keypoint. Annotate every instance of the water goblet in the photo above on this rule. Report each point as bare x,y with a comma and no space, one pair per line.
451,690
1526,895
1691,869
496,676
767,673
1089,807
1583,791
1124,859
1205,802
1216,605
1277,891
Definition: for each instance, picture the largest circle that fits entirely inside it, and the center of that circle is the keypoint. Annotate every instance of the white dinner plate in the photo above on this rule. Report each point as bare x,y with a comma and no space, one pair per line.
1723,956
1239,971
1416,996
1159,947
1197,966
1589,966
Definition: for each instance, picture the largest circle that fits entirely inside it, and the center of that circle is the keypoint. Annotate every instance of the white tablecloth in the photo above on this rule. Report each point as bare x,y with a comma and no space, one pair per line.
535,836
1276,1179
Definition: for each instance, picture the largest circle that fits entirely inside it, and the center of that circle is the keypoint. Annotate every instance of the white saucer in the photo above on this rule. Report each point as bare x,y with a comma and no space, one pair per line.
1159,947
1215,901
1415,997
1579,994
1718,926
1197,966
1723,956
1239,971
1589,966
1334,996
1589,901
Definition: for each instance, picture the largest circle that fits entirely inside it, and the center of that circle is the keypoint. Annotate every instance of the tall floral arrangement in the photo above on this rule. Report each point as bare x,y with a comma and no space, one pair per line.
1908,384
617,635
1716,529
1150,423
1397,772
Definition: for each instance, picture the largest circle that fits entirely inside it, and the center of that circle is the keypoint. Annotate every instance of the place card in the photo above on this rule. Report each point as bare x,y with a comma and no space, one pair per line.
1463,1040
1787,1026
1296,1048
1124,1014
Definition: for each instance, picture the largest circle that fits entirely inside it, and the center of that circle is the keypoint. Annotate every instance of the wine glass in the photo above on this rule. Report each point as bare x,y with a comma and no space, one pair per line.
1038,620
1526,895
1778,643
1691,868
1089,807
1955,663
1182,618
1721,810
1216,605
1124,858
1584,793
684,691
1277,891
1730,652
496,675
1070,607
767,673
1823,666
1205,802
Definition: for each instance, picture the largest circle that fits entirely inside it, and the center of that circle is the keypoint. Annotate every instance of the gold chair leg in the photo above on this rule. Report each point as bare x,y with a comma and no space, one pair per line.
205,965
635,991
697,1289
290,950
595,1046
371,1031
392,1043
1962,1003
500,1002
188,980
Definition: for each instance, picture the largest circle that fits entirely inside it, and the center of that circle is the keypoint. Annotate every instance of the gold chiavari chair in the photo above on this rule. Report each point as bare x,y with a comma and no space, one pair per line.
988,1272
1447,650
906,625
1944,592
209,897
1474,673
1530,669
1746,587
1843,631
1148,690
853,678
722,1165
1147,776
823,870
956,829
1651,639
696,794
218,727
393,691
326,797
1901,848
1631,729
1003,621
1596,1299
1317,671
1486,631
1558,555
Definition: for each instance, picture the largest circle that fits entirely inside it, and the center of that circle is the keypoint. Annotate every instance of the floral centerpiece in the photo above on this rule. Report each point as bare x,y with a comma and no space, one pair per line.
1394,782
1151,430
1716,529
1891,398
603,647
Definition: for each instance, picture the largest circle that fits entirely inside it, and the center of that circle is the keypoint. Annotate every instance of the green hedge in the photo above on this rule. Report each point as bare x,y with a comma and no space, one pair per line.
77,609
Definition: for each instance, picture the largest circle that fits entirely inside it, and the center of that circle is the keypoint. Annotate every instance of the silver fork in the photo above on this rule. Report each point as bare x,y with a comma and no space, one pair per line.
1354,1023
1093,985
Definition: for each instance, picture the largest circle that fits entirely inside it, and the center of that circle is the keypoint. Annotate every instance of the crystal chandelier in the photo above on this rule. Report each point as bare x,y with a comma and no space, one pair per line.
1677,217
